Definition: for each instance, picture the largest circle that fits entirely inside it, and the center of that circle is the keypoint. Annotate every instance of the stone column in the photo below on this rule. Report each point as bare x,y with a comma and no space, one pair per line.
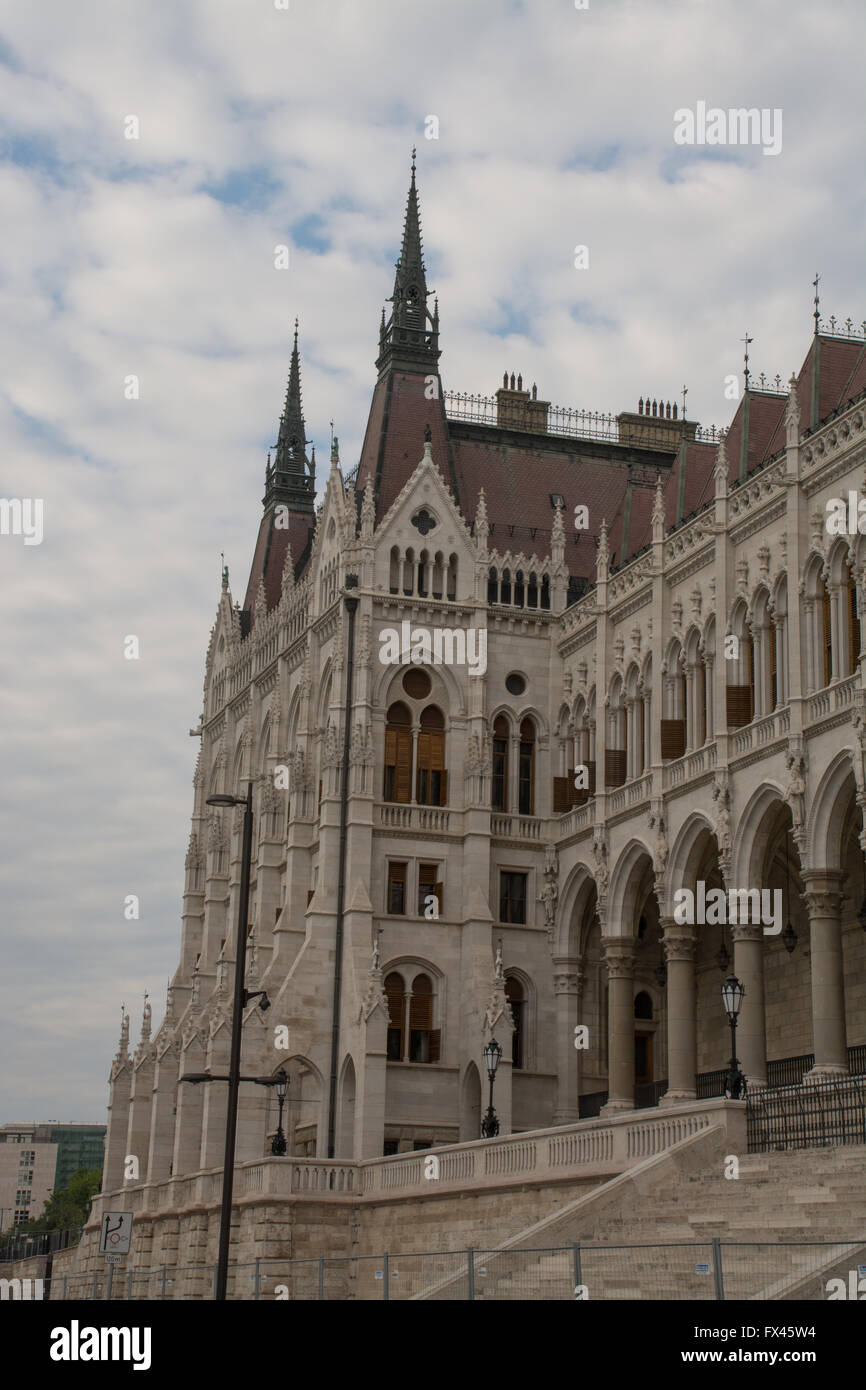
752,1028
567,986
810,645
829,1042
679,946
619,958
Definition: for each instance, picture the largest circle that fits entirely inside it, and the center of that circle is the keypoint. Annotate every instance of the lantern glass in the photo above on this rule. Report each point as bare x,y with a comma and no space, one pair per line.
492,1054
732,995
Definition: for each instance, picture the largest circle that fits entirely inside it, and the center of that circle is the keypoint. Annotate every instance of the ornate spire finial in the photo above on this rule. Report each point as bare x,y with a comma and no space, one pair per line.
817,310
368,512
658,512
410,336
289,480
225,571
746,340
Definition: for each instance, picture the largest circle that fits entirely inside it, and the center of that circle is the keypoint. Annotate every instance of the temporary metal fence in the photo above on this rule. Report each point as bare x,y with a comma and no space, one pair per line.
665,1271
670,1271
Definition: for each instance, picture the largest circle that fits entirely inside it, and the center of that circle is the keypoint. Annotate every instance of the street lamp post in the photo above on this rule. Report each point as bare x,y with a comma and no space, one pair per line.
281,1083
732,997
237,1034
490,1124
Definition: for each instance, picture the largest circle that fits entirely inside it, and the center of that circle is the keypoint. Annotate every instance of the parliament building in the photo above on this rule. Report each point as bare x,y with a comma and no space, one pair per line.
629,662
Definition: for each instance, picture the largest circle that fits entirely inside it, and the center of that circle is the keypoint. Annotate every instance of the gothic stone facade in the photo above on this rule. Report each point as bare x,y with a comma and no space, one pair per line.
484,893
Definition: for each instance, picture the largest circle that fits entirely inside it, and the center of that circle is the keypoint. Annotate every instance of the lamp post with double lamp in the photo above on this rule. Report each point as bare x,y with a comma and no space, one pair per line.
491,1054
732,997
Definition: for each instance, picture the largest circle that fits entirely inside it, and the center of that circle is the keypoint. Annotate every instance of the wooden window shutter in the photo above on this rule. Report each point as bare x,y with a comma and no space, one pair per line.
444,792
614,767
853,629
421,1012
827,625
390,747
673,738
402,780
562,794
739,699
435,1044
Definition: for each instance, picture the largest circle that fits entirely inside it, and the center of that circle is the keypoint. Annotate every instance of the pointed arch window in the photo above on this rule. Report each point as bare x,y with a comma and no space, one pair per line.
853,627
526,769
423,1039
514,995
826,630
432,778
394,993
499,786
398,754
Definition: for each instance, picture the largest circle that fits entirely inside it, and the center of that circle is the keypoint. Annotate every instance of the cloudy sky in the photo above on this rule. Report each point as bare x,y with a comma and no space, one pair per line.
153,257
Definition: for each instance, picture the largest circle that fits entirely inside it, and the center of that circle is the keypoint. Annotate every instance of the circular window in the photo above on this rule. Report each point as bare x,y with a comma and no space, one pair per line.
515,684
417,684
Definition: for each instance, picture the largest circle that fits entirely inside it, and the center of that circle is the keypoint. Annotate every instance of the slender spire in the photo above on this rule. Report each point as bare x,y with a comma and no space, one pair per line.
289,479
409,338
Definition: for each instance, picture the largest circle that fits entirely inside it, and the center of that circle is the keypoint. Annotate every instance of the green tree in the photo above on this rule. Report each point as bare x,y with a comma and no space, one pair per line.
67,1207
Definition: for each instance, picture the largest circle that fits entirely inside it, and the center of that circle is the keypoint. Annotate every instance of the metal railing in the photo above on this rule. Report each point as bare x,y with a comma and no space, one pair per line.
46,1243
808,1116
672,1270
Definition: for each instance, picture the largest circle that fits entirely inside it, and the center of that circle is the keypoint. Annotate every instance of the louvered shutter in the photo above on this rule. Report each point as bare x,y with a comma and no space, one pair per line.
614,767
673,738
562,794
739,702
403,776
435,1044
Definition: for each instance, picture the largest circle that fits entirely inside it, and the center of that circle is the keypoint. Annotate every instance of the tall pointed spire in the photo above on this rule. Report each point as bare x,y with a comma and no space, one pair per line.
290,478
410,337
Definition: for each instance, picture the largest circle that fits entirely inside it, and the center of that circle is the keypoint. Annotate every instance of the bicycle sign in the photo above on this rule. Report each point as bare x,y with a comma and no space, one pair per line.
116,1233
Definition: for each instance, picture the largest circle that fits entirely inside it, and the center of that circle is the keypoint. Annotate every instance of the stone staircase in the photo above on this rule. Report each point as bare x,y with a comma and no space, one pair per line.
787,1224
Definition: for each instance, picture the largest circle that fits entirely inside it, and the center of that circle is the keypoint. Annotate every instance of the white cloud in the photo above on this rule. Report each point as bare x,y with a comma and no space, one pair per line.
118,257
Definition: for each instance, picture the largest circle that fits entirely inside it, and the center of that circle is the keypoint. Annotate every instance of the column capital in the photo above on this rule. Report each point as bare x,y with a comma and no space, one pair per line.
619,956
679,940
568,976
746,931
823,895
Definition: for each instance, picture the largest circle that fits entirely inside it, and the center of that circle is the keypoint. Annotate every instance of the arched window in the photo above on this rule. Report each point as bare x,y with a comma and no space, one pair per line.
545,591
394,993
394,571
398,754
526,771
432,779
423,570
492,586
643,1005
451,591
532,590
514,995
826,630
673,724
616,753
409,571
421,1034
499,785
518,589
740,669
505,588
437,575
853,625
